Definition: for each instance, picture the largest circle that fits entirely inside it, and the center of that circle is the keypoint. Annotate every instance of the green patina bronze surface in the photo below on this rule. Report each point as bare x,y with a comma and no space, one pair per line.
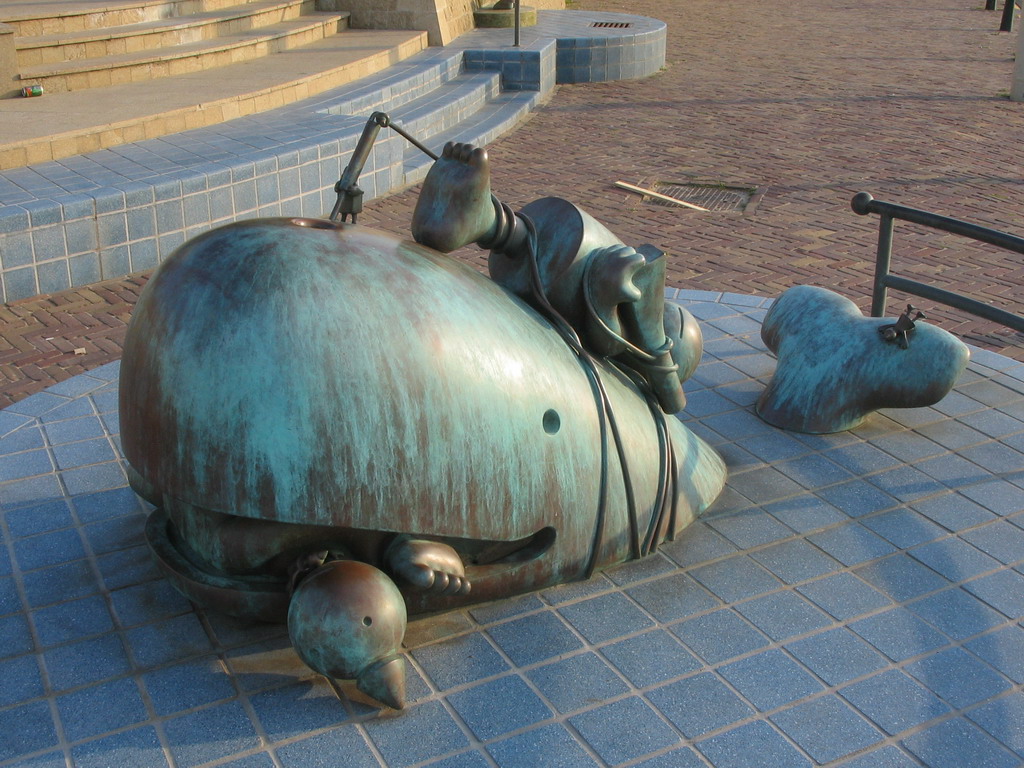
835,367
338,426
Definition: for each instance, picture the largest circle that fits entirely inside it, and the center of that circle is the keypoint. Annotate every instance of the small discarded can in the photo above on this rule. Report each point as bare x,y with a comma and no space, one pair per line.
32,90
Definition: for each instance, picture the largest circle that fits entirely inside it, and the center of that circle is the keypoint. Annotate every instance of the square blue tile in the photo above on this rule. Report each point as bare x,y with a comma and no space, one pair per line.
60,582
519,708
26,728
633,571
139,747
210,734
1003,649
149,601
419,734
954,558
956,613
166,641
548,745
837,656
460,660
1001,718
605,618
1003,590
72,620
783,615
698,544
893,701
945,745
673,597
953,511
697,705
770,679
506,609
750,746
82,428
624,730
904,527
901,577
719,636
806,513
126,567
736,578
534,638
677,758
185,686
325,749
295,709
1001,539
886,757
107,504
814,471
97,477
750,528
899,634
71,455
761,485
861,458
857,498
852,544
999,496
25,464
844,596
957,677
997,458
40,518
117,533
795,561
85,662
577,682
101,708
22,680
651,658
827,729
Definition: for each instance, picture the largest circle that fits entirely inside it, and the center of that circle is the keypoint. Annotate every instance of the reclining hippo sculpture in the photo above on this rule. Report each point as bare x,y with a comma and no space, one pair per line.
338,426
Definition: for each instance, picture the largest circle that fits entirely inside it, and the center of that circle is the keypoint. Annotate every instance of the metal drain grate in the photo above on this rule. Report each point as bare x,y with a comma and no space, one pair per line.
714,197
612,24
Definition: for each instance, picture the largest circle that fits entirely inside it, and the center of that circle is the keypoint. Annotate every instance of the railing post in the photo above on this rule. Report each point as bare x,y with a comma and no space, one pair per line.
883,259
1006,25
990,5
1017,84
517,24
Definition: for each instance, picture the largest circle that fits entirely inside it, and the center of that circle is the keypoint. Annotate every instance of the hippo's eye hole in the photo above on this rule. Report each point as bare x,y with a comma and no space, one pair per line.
552,422
367,621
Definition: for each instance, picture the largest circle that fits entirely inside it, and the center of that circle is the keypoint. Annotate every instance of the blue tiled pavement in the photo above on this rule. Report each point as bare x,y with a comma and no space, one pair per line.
853,599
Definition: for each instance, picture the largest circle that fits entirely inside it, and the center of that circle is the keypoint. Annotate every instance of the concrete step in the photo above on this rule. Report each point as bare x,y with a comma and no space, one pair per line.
59,125
497,116
197,57
161,33
34,19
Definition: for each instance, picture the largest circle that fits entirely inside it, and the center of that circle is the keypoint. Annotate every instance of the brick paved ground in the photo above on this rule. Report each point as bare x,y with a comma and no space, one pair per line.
808,100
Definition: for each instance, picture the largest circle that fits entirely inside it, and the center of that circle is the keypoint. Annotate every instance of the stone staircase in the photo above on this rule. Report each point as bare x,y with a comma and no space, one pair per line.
98,62
68,60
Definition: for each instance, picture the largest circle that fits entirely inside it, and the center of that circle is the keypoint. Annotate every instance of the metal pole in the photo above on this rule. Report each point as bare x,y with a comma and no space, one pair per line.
1007,23
882,263
517,23
990,5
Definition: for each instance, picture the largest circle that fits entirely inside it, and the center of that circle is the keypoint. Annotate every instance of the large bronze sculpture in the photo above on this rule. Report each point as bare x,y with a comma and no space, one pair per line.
337,426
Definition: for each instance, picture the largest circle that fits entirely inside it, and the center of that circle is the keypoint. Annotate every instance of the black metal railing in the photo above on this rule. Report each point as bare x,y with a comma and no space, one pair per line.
864,204
1006,22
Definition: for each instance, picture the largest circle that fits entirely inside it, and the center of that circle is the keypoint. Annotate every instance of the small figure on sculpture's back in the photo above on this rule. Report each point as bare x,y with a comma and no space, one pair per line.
899,332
